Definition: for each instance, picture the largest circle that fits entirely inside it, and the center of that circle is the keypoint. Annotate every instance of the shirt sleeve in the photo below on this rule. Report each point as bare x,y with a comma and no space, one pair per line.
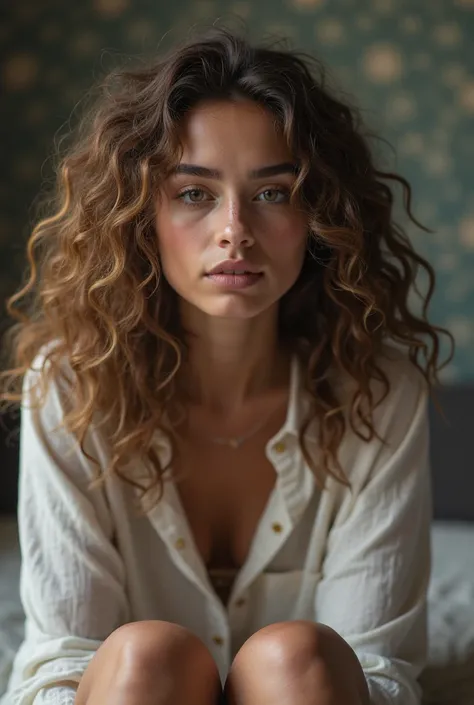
376,568
72,577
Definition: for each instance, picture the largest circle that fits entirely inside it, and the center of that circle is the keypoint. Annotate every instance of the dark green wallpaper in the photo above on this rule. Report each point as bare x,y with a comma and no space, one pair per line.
408,65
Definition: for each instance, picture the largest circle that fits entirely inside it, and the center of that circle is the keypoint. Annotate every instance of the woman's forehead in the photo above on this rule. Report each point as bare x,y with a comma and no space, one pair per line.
222,135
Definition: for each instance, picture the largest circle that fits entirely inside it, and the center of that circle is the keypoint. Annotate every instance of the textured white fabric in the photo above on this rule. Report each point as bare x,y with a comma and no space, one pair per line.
356,560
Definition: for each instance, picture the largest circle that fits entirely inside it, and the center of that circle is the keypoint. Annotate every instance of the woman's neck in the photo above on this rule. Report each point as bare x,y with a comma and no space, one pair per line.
232,361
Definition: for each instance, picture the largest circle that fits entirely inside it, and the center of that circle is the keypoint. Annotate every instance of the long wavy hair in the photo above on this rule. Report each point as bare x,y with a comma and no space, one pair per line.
96,286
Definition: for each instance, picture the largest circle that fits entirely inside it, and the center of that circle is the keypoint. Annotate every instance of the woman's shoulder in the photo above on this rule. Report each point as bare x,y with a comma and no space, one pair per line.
50,362
398,390
397,379
399,408
400,412
47,388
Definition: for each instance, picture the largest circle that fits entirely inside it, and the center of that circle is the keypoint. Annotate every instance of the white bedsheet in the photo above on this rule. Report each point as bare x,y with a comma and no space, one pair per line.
449,677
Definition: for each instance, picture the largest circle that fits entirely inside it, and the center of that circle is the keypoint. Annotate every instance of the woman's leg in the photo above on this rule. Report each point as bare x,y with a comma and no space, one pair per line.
150,663
290,663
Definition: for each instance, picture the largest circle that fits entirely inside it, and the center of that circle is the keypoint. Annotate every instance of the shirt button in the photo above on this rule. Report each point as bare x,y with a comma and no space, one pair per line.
218,640
180,543
277,528
280,447
240,602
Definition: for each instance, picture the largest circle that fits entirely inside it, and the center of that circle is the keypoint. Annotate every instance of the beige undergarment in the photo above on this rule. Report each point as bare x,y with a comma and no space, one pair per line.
222,580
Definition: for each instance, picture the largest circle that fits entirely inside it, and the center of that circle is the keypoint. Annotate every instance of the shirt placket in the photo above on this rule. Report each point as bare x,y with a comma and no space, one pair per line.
171,524
272,531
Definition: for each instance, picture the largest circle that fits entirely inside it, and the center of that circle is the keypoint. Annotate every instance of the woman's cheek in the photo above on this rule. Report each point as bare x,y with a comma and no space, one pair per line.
181,215
186,243
289,239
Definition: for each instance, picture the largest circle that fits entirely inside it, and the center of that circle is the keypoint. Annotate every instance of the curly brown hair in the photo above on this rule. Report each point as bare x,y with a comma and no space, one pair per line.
97,290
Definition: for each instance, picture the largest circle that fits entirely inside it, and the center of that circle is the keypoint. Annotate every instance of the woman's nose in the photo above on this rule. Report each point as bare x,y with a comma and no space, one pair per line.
235,230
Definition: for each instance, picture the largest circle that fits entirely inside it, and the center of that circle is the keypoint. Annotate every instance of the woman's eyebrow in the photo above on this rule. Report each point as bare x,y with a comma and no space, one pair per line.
261,173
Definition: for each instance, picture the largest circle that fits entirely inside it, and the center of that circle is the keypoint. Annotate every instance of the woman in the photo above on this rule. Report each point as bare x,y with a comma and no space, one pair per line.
221,340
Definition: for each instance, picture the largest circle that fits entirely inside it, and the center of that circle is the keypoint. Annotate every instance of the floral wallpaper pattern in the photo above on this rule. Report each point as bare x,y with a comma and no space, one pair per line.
409,66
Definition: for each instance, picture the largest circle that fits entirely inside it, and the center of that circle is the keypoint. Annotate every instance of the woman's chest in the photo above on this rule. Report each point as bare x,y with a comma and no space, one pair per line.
224,492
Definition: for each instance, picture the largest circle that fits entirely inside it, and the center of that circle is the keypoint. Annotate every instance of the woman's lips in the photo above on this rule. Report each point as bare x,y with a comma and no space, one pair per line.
234,281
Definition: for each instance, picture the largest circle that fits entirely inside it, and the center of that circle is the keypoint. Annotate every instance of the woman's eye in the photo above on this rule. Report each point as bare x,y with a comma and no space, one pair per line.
274,195
197,196
192,196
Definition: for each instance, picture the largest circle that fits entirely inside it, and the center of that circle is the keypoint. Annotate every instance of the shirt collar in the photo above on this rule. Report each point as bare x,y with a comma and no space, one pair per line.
298,400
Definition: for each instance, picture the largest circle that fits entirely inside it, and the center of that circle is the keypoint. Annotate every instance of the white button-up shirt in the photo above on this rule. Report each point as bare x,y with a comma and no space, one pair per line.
357,561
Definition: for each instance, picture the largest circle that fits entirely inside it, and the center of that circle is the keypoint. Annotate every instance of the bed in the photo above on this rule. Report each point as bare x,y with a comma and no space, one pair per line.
449,677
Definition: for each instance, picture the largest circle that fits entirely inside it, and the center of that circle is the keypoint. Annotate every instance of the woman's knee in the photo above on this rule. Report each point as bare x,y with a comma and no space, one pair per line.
290,648
288,645
294,650
147,654
153,646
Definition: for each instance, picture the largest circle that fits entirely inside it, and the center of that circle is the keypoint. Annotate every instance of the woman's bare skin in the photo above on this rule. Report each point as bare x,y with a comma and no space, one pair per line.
288,663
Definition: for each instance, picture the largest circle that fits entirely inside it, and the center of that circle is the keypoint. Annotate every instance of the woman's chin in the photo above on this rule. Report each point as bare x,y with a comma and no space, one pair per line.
236,308
234,312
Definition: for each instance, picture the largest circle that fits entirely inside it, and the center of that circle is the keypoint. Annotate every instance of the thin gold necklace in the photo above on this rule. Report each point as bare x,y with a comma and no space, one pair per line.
238,441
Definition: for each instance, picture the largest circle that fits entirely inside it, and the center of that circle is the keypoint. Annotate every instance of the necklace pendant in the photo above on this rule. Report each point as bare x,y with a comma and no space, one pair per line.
235,443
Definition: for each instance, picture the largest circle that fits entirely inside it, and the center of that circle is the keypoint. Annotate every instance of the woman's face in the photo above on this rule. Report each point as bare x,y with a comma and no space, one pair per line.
227,209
